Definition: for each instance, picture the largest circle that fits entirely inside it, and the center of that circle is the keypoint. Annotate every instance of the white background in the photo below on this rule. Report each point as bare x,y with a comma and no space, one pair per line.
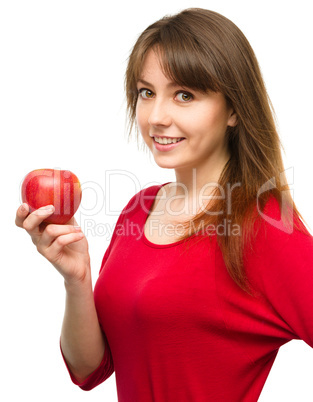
62,106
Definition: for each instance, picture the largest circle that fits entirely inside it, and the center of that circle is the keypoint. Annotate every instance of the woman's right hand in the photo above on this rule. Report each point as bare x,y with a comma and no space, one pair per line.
65,246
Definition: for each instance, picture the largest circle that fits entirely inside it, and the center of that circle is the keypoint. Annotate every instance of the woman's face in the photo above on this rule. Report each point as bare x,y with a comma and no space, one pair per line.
196,121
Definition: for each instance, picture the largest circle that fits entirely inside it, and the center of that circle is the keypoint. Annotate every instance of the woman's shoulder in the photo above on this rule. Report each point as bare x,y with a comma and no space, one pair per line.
279,220
276,245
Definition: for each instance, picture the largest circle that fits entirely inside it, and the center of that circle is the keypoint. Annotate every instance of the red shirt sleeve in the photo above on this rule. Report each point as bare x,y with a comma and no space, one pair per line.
282,263
102,372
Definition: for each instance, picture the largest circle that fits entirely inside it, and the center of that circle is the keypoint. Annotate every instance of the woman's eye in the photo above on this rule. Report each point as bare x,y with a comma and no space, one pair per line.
180,96
145,93
184,96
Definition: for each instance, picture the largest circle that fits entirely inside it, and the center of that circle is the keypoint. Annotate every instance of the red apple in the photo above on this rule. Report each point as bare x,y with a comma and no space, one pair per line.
60,188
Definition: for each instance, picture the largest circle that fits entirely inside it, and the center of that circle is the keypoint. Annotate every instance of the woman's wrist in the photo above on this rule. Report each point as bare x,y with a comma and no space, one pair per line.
79,285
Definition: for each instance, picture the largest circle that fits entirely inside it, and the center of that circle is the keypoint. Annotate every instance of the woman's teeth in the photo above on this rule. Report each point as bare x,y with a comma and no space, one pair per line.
165,141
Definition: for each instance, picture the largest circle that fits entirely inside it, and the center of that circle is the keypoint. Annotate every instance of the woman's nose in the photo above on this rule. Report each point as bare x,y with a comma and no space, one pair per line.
160,114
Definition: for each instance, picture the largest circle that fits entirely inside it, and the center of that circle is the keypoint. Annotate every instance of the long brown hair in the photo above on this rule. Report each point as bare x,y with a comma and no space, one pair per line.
203,50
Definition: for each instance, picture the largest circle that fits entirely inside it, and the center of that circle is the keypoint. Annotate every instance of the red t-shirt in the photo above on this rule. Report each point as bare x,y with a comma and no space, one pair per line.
177,326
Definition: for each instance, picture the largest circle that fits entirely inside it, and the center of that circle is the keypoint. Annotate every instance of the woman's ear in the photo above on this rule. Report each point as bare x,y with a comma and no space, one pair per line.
232,120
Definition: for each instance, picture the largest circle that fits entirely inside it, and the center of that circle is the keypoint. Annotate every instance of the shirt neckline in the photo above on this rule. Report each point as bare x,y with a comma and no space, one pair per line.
144,238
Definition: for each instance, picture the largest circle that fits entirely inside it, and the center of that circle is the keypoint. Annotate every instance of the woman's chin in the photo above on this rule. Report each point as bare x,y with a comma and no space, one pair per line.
166,164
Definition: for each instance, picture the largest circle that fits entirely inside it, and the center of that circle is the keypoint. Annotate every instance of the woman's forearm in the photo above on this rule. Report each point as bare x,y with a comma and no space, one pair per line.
82,340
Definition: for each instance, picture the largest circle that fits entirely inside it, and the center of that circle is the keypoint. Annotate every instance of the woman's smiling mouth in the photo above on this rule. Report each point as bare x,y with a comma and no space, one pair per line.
166,143
167,140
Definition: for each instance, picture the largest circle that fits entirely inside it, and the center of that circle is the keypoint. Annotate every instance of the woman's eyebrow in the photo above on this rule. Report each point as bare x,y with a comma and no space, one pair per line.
171,84
140,80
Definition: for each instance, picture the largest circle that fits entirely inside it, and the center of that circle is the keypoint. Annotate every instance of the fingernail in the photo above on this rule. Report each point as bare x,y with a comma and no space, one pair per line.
77,228
24,207
47,208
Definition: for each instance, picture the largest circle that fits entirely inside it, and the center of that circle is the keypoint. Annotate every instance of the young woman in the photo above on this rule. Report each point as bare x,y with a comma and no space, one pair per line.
205,278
